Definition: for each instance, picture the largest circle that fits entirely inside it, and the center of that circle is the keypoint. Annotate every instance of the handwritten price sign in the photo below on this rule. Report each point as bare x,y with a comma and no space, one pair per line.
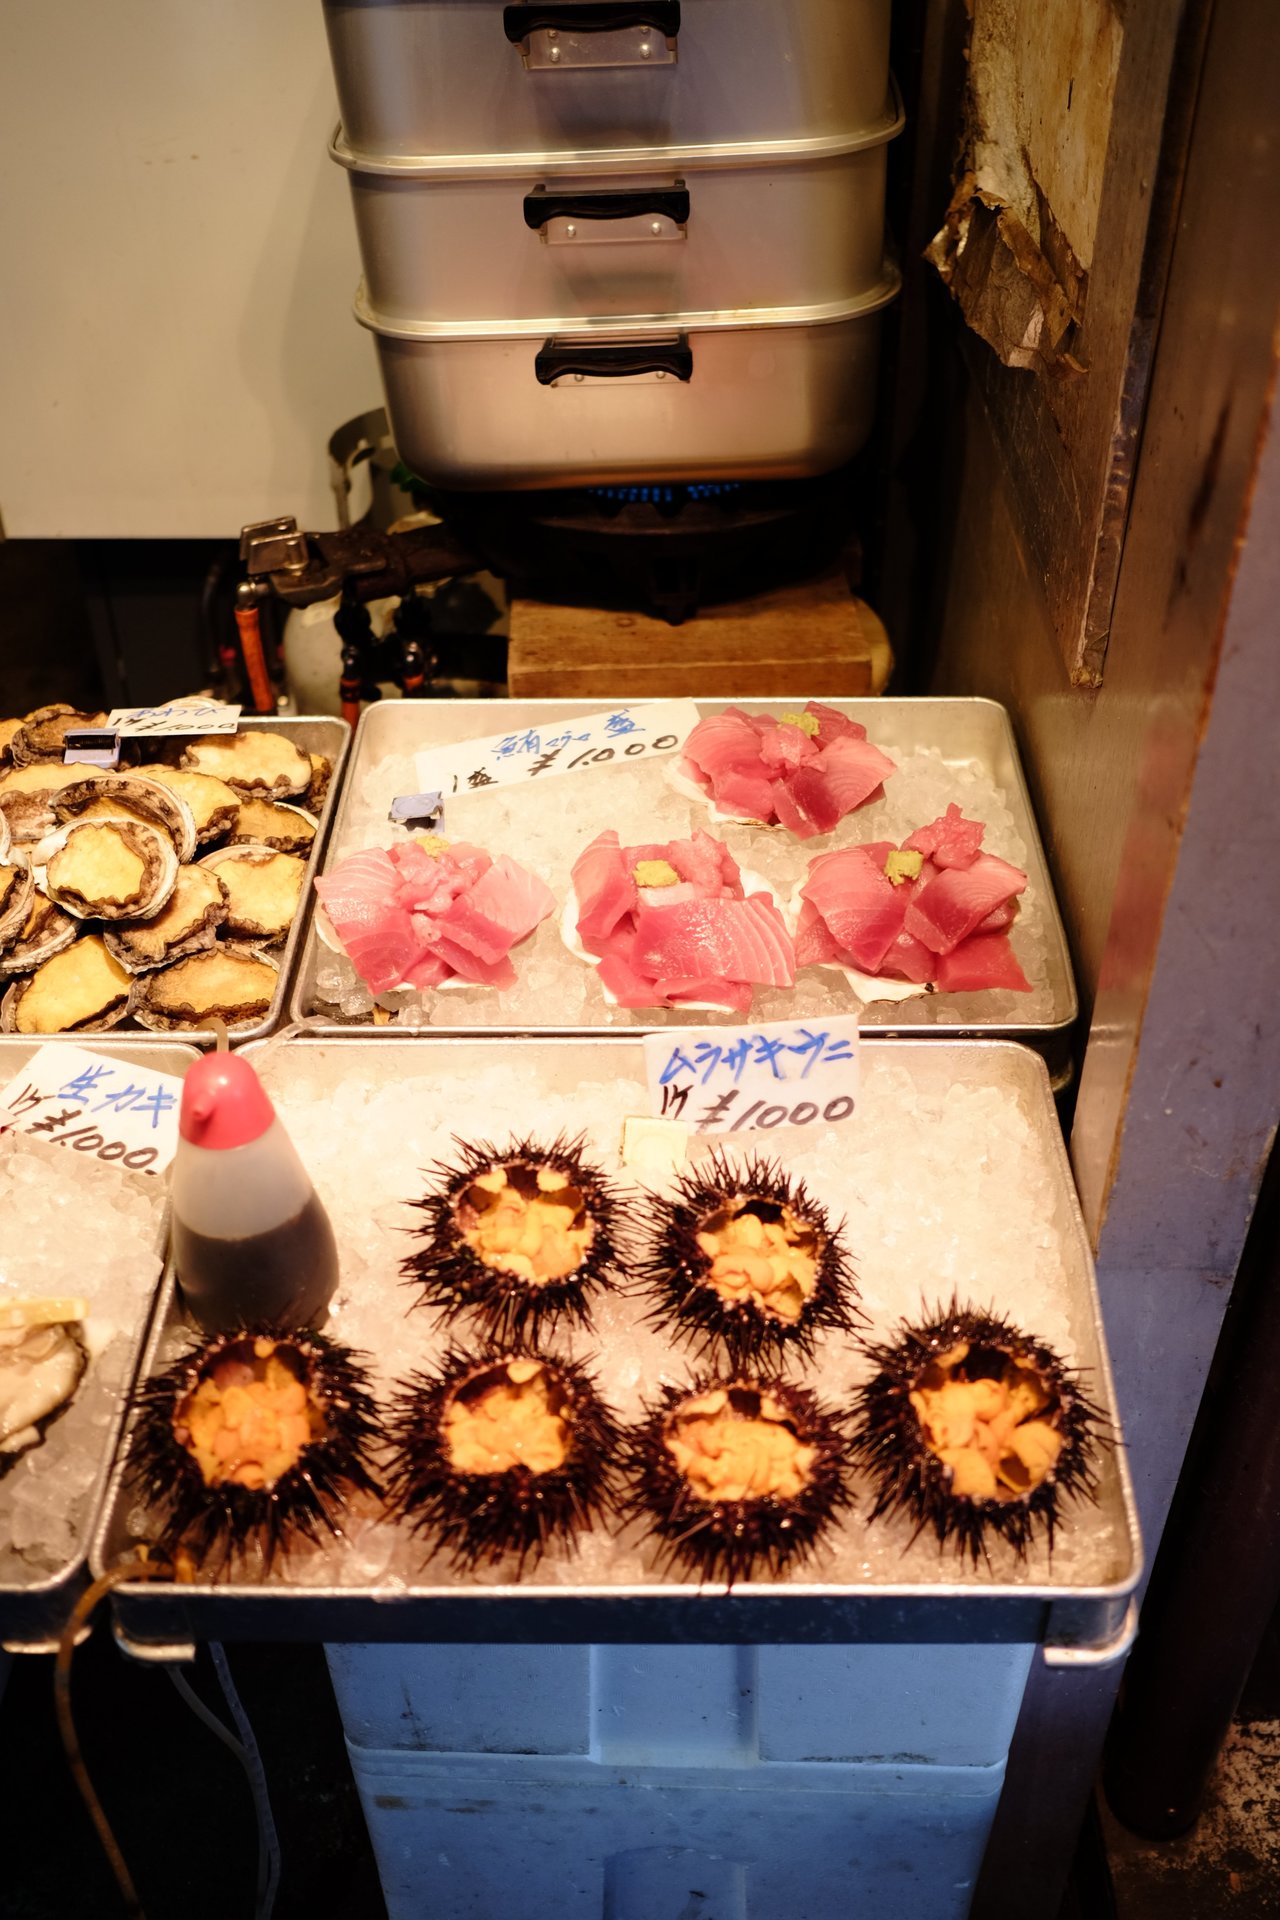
108,1108
177,717
558,746
748,1079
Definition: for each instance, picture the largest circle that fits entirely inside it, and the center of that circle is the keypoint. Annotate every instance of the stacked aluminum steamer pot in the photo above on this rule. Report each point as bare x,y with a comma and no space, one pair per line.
619,240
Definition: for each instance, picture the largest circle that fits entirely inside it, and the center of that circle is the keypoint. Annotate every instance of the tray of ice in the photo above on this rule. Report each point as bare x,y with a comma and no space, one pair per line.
950,1182
945,753
81,1236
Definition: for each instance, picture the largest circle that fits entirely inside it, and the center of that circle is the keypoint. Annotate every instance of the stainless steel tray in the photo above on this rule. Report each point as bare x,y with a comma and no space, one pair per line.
441,76
33,1612
772,394
967,733
877,1585
567,243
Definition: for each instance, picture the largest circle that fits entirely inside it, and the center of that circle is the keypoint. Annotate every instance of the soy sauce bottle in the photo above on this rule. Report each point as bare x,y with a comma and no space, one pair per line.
252,1244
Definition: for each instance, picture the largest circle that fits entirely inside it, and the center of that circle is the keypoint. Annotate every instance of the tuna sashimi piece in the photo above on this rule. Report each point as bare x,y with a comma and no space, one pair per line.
908,959
863,910
734,996
946,911
950,841
985,960
790,815
738,790
734,940
832,724
513,898
429,970
999,918
705,861
604,887
624,984
844,776
360,898
469,966
721,741
787,747
815,942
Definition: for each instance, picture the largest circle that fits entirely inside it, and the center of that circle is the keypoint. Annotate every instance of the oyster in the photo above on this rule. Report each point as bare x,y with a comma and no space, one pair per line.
46,930
110,869
107,796
263,889
26,796
213,803
7,730
42,1357
17,889
232,982
187,923
253,761
42,736
81,990
270,823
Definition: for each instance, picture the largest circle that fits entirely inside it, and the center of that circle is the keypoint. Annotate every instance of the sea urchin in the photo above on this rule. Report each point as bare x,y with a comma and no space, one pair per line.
972,1427
251,1439
519,1237
734,1473
501,1451
744,1258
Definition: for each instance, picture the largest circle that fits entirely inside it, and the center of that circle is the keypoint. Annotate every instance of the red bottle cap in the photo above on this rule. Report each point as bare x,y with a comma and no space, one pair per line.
224,1104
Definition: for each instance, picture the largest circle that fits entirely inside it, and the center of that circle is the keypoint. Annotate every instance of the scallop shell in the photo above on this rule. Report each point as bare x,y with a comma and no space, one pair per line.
214,805
26,797
13,999
126,942
162,863
15,895
239,921
55,932
159,1022
272,826
156,804
253,761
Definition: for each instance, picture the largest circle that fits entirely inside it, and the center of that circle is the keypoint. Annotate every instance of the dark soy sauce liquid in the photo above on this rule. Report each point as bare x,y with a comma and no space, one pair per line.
283,1278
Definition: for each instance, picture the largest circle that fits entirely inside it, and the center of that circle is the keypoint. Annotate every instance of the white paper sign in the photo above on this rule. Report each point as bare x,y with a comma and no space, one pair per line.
177,717
787,1073
558,746
107,1108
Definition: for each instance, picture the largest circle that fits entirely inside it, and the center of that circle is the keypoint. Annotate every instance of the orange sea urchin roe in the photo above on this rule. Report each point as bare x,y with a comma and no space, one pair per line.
726,1455
528,1221
770,1264
511,1423
986,1430
248,1421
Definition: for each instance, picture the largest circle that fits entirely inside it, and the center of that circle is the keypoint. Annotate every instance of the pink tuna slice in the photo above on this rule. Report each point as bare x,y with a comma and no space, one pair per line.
950,841
787,747
705,861
429,970
469,966
605,890
738,790
999,918
844,776
721,741
502,909
985,960
628,988
862,909
908,959
678,991
360,898
946,911
832,724
731,940
815,942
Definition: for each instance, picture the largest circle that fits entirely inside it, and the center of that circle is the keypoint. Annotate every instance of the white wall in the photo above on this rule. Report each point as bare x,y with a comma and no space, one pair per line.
177,260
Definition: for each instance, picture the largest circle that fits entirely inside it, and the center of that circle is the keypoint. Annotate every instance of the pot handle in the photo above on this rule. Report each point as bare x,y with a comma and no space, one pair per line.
614,360
597,16
543,205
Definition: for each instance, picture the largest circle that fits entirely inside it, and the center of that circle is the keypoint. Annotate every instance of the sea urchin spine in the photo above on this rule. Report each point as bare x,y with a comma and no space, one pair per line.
519,1236
973,1428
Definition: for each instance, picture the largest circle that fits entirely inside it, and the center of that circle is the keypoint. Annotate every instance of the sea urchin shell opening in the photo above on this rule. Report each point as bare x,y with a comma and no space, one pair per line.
250,1440
974,1428
733,1473
519,1236
501,1452
747,1259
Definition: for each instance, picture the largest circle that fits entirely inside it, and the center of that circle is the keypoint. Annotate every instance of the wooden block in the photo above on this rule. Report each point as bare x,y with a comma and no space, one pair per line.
812,639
